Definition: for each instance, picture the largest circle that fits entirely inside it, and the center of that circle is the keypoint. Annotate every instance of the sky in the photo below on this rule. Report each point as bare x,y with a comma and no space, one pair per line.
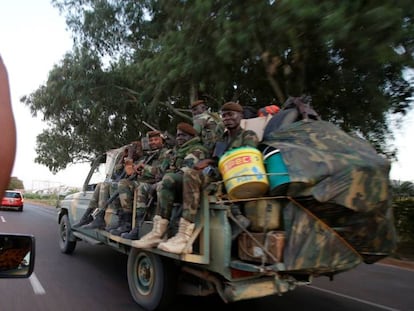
33,38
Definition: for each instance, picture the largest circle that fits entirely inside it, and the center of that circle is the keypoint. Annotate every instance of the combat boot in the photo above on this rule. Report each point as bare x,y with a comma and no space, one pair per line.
178,243
154,237
116,224
125,224
134,233
131,235
85,219
98,222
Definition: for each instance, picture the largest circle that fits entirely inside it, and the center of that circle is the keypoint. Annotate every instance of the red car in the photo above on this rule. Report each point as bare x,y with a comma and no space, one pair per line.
12,199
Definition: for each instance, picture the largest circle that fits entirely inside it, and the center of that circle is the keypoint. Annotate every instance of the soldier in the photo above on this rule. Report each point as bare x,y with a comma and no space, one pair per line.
145,170
208,125
193,179
234,137
94,216
101,191
148,172
188,151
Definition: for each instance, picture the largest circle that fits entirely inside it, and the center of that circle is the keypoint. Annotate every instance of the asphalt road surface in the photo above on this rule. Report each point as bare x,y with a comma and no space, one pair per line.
94,278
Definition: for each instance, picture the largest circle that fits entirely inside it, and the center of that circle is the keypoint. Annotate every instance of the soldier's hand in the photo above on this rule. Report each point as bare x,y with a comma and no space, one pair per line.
203,164
139,167
129,166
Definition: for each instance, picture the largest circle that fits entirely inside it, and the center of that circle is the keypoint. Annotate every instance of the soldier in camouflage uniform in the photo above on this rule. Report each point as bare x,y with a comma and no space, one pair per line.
146,169
188,151
99,197
93,218
148,172
208,125
235,136
193,179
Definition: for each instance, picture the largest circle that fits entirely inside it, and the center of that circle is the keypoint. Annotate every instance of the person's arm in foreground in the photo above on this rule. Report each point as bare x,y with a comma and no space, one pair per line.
7,130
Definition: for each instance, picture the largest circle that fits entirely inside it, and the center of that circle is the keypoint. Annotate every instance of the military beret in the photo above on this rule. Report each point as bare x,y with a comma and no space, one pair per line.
232,106
186,128
196,103
153,133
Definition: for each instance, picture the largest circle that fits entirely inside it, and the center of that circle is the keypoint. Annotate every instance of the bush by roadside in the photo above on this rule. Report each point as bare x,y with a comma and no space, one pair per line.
43,202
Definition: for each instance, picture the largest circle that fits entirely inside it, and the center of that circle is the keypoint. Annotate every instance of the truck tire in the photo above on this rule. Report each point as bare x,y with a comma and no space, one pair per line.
151,279
66,245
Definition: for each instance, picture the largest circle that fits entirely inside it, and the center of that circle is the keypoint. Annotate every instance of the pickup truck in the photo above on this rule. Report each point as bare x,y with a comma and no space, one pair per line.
326,209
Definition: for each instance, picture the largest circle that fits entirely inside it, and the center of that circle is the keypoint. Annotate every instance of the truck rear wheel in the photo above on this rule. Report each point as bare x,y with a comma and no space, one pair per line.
151,279
66,245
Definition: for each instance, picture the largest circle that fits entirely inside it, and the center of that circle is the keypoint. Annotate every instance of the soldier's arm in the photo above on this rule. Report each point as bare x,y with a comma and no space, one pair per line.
250,139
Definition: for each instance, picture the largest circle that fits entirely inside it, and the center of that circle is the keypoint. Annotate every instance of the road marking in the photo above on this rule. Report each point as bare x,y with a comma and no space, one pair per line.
37,287
401,266
2,219
354,298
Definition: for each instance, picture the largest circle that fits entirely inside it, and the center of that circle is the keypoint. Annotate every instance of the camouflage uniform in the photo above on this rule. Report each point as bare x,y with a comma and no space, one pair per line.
153,166
209,127
194,179
235,137
243,138
150,174
171,184
185,155
97,204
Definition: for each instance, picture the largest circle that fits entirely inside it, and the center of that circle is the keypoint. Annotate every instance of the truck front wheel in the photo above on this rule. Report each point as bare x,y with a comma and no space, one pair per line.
151,279
66,245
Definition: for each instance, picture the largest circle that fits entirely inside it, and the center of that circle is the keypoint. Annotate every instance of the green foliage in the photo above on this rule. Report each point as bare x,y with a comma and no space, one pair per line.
403,205
46,199
147,60
404,219
37,196
402,190
15,183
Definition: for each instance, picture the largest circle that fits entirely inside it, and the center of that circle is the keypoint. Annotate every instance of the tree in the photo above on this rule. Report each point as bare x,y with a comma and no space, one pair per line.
402,190
403,206
349,57
15,183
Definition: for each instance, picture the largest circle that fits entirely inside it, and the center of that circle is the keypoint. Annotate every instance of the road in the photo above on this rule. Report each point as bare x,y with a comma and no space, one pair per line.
94,278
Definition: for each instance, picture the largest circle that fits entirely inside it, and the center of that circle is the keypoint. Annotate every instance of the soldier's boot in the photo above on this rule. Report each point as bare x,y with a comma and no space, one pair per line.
98,222
154,237
116,224
85,219
178,243
242,222
126,224
131,235
134,233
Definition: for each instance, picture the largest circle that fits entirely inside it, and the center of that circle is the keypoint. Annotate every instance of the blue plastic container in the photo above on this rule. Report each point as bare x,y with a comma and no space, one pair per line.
276,169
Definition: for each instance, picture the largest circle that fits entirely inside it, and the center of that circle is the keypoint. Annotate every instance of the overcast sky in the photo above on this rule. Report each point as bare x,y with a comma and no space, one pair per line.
33,38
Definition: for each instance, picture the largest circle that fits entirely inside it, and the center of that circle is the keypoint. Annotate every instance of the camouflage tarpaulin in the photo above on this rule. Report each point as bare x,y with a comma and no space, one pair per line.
313,246
339,173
